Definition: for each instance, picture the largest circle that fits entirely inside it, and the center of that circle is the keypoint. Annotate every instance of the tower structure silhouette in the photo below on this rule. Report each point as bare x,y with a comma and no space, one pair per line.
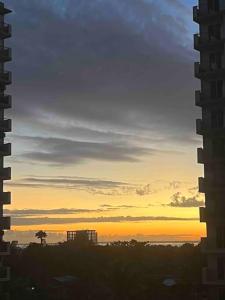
210,42
5,148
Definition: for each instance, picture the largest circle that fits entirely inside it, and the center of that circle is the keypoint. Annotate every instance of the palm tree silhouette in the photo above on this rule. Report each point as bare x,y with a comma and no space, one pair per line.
41,235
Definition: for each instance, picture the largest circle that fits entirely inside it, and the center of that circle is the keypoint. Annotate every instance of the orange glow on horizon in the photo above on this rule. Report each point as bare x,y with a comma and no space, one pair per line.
169,230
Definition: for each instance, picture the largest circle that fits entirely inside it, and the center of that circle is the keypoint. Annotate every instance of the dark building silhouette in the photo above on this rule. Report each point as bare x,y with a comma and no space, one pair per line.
83,235
5,149
210,15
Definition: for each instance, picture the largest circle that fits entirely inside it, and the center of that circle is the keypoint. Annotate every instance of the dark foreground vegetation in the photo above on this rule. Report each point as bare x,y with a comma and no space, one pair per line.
134,271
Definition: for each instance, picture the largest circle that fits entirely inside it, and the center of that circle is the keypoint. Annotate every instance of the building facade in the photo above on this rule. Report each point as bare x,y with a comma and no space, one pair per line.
210,42
5,148
83,235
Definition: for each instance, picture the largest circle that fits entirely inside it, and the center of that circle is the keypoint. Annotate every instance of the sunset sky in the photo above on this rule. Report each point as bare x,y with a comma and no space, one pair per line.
104,119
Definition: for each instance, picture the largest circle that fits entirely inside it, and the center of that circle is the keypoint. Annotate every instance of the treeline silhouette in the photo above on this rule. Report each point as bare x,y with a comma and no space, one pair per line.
119,271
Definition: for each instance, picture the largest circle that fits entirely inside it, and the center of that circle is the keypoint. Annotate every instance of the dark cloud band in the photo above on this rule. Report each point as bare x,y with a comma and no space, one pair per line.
118,219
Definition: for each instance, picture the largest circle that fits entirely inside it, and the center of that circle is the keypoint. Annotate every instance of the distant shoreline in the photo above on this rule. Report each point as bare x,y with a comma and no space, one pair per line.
152,243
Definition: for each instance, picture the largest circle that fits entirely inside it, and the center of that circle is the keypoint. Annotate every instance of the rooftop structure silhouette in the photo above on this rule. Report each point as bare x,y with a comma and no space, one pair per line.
83,235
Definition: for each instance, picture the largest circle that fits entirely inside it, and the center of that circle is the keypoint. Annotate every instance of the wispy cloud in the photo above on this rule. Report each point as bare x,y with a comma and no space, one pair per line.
178,200
115,219
108,206
67,181
96,186
58,151
158,186
145,190
73,182
58,211
179,5
67,211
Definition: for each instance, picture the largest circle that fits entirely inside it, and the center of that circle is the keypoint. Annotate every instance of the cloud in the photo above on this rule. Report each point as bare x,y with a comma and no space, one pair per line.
64,151
193,190
115,219
176,184
66,211
96,186
158,186
108,206
99,73
178,200
91,185
145,190
59,211
73,182
179,5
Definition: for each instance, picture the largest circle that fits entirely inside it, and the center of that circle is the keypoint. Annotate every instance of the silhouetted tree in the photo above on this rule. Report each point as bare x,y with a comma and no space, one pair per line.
41,235
123,271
